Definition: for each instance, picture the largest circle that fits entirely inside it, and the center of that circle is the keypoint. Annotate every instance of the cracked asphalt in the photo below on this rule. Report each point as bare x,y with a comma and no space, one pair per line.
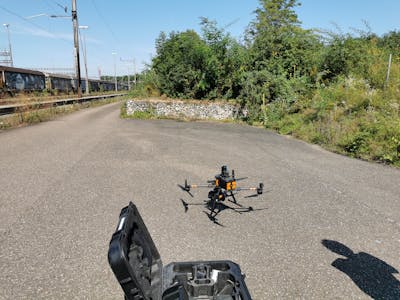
328,226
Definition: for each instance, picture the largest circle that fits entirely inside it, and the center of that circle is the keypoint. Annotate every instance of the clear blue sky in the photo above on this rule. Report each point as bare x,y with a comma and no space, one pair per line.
130,27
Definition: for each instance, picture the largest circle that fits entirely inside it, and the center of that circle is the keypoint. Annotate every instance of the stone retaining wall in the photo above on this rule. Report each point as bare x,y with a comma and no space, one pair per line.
182,109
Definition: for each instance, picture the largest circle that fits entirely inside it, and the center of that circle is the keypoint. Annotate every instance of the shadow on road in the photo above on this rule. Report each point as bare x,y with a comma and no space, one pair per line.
372,275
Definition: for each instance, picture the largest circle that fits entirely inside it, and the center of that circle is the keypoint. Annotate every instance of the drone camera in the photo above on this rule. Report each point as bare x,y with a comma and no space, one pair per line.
224,171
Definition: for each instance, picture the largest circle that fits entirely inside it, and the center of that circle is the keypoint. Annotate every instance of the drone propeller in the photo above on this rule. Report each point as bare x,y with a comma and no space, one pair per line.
260,188
185,205
186,188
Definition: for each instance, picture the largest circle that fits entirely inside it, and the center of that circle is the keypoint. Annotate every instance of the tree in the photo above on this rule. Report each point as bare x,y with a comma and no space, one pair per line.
278,43
228,60
391,41
190,66
283,62
182,65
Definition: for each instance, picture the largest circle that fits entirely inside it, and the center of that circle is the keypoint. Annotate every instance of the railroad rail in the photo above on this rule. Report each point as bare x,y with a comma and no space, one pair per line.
16,108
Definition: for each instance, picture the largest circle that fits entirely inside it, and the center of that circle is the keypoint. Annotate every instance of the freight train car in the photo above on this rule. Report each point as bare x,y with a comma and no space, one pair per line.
83,85
107,86
60,83
21,80
94,85
13,80
123,87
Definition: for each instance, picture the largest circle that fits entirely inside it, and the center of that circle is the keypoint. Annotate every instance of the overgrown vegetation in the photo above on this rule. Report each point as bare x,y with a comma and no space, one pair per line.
329,88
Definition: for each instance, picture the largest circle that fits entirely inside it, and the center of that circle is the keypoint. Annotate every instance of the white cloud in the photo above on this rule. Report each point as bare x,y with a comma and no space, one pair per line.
22,30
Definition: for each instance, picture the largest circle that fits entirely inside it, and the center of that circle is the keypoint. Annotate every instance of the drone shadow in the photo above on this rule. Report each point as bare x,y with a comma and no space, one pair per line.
372,275
219,207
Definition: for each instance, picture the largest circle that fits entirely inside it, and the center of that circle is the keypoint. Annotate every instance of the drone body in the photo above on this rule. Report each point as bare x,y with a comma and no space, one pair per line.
224,185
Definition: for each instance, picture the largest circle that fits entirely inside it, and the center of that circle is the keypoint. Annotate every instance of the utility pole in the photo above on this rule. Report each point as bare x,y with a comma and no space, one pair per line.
134,72
115,72
132,61
129,79
9,44
85,58
76,48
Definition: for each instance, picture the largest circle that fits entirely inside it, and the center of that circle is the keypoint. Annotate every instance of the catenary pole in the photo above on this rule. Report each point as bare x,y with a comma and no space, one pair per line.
84,27
76,48
9,45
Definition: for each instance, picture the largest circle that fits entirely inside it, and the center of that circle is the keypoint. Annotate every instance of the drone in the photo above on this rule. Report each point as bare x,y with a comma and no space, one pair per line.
223,187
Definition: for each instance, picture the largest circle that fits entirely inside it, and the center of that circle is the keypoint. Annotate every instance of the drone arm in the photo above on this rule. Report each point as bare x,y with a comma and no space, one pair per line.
187,187
201,185
259,189
246,189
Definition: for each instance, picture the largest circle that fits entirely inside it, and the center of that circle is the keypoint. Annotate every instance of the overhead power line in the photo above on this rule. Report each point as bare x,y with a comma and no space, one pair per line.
32,23
65,8
105,21
54,5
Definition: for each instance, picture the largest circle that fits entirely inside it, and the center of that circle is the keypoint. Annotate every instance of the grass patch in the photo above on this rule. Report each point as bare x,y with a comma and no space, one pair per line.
142,115
347,117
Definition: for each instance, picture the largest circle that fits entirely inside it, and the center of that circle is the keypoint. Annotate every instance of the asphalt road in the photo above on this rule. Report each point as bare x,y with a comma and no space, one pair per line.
329,228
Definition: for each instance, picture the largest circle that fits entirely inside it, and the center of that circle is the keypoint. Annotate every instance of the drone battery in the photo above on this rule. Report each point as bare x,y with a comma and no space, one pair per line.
228,183
230,186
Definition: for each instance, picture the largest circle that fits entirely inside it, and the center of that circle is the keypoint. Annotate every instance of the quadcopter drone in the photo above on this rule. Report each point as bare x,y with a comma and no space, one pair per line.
223,187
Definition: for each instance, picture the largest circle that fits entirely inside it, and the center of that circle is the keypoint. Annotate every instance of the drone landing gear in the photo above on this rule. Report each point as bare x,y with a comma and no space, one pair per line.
212,211
232,195
215,207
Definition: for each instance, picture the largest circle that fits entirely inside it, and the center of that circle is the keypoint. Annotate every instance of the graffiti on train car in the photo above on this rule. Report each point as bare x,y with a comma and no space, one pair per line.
16,80
60,84
24,81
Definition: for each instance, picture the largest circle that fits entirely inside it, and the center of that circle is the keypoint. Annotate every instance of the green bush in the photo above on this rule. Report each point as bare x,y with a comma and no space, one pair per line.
329,89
